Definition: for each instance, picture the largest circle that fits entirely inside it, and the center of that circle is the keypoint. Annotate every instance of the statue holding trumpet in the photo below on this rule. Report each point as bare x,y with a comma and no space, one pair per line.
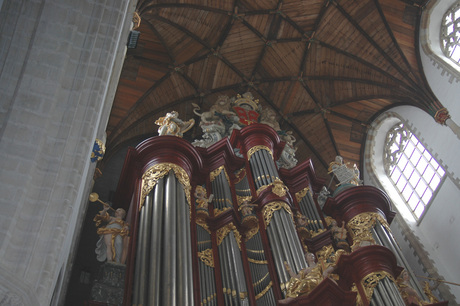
114,233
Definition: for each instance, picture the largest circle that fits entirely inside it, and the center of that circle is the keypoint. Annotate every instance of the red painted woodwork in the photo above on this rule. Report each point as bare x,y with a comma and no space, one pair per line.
258,135
356,200
327,293
353,267
301,176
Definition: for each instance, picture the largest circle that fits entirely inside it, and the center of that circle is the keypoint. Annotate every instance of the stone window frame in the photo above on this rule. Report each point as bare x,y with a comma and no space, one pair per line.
430,38
411,168
450,33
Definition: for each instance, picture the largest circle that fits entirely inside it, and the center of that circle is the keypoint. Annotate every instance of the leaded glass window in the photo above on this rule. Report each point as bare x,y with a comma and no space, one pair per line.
450,33
411,168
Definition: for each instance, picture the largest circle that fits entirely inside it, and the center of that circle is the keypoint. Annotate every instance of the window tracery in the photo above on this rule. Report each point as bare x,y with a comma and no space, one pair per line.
450,33
411,168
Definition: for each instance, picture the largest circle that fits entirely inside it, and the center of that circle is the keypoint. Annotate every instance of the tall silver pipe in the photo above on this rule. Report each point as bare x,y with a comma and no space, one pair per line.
239,271
182,277
188,241
292,239
264,168
156,224
224,274
260,171
169,249
393,292
277,256
390,243
277,223
145,252
267,158
138,268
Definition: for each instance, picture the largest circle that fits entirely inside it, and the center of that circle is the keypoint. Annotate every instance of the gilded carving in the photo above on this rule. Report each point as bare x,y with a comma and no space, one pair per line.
215,173
299,195
360,227
370,281
224,231
359,301
218,211
279,188
156,172
257,148
270,209
263,292
206,257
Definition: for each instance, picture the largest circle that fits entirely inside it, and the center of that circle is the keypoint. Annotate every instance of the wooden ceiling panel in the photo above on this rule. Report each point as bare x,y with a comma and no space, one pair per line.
303,13
255,5
242,48
326,67
283,59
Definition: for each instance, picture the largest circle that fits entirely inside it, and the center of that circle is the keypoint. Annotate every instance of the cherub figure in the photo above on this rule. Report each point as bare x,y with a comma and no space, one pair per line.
113,242
172,125
247,208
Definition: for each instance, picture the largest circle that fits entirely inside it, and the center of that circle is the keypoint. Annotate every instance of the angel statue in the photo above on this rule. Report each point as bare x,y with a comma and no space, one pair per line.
172,125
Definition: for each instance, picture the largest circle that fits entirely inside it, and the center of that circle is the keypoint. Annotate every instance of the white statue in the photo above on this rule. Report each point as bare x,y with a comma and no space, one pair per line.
113,242
172,125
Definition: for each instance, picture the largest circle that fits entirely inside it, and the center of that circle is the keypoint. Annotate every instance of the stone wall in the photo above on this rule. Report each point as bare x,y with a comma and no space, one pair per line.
59,66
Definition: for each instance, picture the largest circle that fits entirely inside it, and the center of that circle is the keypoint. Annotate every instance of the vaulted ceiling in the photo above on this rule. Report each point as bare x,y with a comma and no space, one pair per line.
327,67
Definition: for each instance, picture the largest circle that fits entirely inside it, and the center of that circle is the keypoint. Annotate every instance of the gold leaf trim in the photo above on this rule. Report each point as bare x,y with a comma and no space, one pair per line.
206,257
257,148
370,281
299,195
263,292
215,173
156,172
224,231
270,209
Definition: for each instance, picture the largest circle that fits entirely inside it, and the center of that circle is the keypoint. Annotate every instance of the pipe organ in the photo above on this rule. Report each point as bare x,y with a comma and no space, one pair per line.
225,225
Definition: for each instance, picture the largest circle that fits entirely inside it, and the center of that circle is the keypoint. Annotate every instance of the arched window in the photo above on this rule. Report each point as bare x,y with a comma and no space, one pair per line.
410,167
450,33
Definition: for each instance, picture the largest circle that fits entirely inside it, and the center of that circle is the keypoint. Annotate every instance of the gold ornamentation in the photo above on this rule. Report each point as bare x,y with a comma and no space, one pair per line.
218,211
251,232
257,148
359,301
270,209
299,195
263,292
258,262
206,257
136,20
370,281
156,172
224,231
240,175
279,188
215,173
242,199
360,227
262,188
441,116
203,224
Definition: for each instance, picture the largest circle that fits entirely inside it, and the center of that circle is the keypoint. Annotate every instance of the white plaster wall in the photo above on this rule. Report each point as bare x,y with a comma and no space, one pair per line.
59,65
439,230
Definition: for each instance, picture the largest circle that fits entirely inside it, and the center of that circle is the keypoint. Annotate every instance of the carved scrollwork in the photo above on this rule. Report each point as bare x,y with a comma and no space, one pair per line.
224,231
370,281
206,257
215,173
301,194
156,172
270,209
257,148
